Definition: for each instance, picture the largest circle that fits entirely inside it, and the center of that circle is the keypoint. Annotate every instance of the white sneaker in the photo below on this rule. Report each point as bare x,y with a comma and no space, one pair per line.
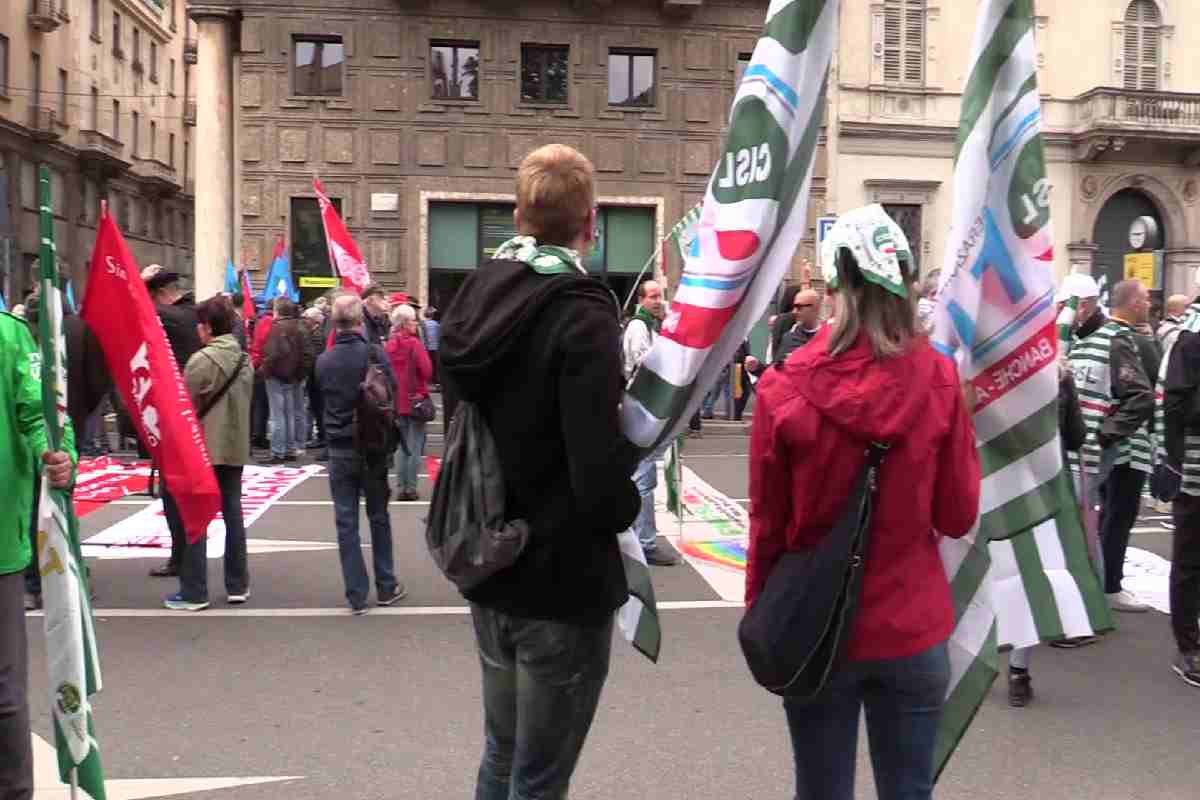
1126,601
238,599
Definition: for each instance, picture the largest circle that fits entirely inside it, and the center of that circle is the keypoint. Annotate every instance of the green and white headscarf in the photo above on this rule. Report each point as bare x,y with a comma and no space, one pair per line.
546,259
878,245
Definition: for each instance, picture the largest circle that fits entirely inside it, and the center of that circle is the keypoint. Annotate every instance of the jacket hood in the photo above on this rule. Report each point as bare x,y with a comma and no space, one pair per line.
870,398
494,308
224,350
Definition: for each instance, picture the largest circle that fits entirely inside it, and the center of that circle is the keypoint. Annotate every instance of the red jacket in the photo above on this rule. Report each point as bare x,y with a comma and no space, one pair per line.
262,329
412,367
812,422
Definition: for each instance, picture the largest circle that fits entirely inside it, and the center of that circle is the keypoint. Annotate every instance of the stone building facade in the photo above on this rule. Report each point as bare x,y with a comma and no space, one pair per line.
98,90
415,116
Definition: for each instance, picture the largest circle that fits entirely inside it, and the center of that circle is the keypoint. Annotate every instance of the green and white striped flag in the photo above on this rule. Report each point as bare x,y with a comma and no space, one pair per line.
1022,576
684,232
70,630
673,474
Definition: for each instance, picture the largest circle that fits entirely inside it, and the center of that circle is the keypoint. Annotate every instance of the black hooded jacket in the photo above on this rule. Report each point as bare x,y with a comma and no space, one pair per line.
540,356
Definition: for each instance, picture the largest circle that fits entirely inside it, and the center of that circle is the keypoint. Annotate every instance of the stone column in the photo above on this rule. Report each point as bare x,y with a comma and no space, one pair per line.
213,147
1083,257
1179,271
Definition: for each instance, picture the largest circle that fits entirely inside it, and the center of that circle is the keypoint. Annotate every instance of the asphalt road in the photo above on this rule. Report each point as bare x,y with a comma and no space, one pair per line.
388,705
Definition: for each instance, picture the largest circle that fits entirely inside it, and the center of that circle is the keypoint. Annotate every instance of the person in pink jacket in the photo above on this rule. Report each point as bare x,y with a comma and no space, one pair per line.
413,369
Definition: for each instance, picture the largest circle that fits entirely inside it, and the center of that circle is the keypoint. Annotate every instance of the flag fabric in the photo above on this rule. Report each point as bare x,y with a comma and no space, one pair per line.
70,304
247,302
145,373
752,220
638,618
279,277
3,305
1066,324
684,232
231,278
1022,576
672,474
343,252
71,656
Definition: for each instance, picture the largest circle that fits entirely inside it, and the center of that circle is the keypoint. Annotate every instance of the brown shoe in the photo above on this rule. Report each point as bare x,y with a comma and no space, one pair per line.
167,570
1020,689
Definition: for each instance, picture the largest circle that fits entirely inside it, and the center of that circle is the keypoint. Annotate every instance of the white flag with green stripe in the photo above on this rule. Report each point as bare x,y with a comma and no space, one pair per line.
1023,575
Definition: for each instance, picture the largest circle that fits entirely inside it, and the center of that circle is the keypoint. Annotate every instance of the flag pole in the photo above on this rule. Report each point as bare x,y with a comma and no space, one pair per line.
74,784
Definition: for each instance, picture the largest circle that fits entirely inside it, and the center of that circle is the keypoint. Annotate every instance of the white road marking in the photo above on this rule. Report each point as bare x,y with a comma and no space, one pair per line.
46,785
391,611
328,503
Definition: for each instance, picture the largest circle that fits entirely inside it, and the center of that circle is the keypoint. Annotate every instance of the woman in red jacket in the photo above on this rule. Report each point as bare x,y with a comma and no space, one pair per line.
412,368
868,375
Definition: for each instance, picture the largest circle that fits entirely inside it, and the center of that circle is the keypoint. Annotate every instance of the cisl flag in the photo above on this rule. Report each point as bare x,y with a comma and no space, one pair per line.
119,311
343,252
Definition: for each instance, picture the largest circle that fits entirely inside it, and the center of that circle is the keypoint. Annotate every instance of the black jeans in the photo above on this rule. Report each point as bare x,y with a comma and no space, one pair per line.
16,750
193,569
350,479
541,686
1120,502
316,407
174,524
260,410
1185,574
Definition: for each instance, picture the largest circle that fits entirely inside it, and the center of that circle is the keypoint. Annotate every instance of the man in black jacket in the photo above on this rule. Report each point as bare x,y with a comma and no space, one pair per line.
534,343
340,371
179,323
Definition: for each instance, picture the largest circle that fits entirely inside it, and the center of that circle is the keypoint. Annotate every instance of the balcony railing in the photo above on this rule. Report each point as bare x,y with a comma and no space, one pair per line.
42,121
189,113
46,15
99,146
190,50
1135,109
159,176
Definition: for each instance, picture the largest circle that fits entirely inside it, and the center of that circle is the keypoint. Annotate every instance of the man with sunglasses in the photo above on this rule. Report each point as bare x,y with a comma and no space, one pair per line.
806,321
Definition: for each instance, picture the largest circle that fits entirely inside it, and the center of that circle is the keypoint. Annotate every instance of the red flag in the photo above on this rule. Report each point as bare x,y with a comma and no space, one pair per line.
247,303
343,252
118,309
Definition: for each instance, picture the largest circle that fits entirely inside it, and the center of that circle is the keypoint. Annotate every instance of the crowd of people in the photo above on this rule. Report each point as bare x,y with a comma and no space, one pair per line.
537,346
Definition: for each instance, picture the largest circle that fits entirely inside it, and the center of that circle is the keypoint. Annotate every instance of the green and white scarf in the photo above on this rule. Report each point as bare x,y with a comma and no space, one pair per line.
545,259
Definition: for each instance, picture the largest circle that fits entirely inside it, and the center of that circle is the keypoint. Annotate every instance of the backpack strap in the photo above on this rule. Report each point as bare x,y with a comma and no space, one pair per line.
212,401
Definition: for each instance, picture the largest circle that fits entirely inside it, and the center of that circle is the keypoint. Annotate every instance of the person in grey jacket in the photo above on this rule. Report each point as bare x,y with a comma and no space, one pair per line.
221,383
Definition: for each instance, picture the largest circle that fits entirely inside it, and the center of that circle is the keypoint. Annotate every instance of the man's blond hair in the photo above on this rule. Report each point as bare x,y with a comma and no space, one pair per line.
555,194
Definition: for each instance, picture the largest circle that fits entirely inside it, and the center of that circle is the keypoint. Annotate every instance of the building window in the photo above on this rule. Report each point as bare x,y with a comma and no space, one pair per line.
154,62
908,217
153,139
1143,36
743,64
171,78
174,22
904,42
171,150
544,73
96,20
454,70
318,65
95,109
137,49
631,77
35,71
116,128
186,162
310,255
3,64
62,96
135,122
116,36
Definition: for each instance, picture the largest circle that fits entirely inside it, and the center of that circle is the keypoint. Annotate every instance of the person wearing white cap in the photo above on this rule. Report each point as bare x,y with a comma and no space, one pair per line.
1088,317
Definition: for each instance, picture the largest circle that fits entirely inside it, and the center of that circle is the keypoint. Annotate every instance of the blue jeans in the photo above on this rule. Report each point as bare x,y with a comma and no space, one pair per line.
193,566
408,465
287,408
903,698
541,686
722,389
646,479
349,479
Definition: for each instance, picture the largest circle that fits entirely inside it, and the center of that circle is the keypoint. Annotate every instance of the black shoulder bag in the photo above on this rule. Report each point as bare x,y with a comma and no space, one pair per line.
212,401
794,634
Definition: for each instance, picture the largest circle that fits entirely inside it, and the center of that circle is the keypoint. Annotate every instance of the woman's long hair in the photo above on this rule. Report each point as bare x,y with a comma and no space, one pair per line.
862,307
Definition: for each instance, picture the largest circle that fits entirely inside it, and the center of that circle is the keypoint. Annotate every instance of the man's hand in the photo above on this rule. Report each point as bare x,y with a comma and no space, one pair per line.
58,469
751,363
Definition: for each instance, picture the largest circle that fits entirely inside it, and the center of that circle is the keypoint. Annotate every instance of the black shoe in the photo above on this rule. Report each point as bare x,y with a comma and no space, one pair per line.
323,455
1075,642
167,570
1187,667
661,557
393,597
33,602
273,461
1020,689
260,444
314,444
290,458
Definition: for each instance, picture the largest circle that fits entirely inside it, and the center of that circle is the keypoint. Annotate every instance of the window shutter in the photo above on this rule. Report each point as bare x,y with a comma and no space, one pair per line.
892,38
1150,48
1142,45
914,42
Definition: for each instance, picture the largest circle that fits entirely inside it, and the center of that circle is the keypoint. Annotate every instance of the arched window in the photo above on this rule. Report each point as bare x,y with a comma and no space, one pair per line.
1143,38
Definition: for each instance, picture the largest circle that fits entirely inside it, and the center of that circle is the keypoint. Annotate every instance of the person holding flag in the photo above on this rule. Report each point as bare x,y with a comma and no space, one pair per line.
24,440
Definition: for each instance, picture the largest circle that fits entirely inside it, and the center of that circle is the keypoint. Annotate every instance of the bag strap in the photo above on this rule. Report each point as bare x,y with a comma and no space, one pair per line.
212,401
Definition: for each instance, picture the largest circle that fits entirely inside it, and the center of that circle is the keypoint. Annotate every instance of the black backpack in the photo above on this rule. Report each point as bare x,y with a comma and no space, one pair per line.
375,434
467,533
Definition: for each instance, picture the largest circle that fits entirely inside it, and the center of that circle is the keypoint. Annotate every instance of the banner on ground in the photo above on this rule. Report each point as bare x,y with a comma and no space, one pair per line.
748,229
145,373
70,629
995,316
344,256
